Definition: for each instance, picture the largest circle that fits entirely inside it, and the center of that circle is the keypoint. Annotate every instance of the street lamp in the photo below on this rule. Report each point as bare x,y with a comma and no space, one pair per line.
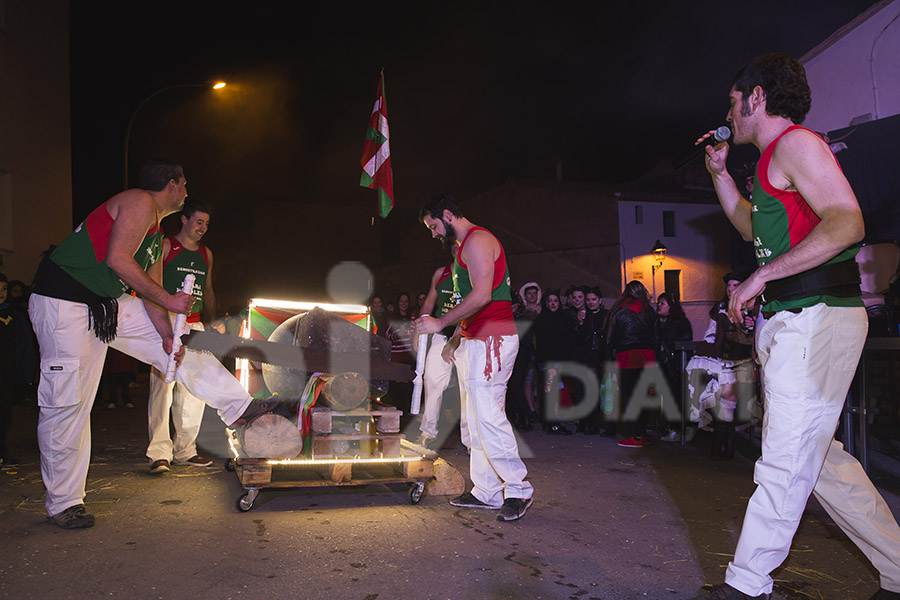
216,86
659,255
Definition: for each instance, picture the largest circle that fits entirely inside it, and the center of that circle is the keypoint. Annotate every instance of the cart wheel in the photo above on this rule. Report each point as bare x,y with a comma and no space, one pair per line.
416,491
229,465
245,502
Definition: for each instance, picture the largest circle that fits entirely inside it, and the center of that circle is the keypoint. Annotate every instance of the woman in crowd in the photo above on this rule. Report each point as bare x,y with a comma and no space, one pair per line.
399,332
632,339
552,346
590,347
722,371
674,326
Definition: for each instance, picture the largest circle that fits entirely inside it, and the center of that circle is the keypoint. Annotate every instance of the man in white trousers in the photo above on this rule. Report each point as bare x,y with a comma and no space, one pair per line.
182,255
488,344
436,378
80,306
805,222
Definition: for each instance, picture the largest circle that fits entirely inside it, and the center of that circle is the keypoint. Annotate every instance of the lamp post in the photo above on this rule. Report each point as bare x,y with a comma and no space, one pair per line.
216,86
659,255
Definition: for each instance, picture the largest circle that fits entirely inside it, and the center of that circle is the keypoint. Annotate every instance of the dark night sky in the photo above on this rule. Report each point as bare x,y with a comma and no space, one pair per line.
477,92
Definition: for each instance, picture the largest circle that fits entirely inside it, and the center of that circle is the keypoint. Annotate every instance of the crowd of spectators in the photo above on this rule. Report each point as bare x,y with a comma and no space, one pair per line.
607,366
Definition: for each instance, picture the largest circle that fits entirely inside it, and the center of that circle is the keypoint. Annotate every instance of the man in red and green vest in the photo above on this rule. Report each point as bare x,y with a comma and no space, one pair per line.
440,299
81,306
805,222
182,254
487,347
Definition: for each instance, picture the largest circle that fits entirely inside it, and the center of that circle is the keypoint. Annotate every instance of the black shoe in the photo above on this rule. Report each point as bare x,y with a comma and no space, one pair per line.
467,500
514,509
262,406
195,461
557,430
74,517
884,594
158,467
723,591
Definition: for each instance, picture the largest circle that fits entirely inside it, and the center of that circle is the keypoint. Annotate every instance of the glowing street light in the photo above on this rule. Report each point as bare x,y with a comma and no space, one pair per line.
216,86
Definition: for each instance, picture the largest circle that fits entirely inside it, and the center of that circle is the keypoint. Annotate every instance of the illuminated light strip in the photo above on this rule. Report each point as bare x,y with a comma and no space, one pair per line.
326,461
290,304
338,461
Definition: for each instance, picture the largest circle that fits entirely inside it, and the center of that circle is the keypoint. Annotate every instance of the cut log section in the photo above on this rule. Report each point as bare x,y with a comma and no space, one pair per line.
271,436
448,481
345,391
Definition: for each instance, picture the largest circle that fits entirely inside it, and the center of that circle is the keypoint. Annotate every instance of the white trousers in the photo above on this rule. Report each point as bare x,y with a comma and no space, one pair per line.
495,468
808,362
187,415
71,365
436,379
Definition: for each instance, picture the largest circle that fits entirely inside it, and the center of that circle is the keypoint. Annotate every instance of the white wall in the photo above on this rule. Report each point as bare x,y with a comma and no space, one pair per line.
856,72
700,250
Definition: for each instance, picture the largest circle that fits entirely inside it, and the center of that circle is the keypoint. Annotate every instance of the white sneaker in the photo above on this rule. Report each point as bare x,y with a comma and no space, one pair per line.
672,436
423,440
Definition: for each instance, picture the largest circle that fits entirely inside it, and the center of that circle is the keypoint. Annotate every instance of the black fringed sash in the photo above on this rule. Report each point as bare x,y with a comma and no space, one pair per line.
50,280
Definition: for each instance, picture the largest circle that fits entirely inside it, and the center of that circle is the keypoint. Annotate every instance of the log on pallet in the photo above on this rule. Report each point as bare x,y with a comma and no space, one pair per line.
448,481
271,436
321,329
344,391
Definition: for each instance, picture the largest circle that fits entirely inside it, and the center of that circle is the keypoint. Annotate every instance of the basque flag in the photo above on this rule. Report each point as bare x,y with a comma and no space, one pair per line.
376,156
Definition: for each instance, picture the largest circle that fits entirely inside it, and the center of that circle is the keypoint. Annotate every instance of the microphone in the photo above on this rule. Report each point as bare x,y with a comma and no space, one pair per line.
721,135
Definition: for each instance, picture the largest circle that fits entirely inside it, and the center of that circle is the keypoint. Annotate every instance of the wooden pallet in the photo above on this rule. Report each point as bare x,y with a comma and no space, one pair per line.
414,463
343,445
387,418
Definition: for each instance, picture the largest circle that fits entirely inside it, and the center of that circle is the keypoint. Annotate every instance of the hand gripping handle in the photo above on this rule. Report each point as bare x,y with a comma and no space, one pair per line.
187,287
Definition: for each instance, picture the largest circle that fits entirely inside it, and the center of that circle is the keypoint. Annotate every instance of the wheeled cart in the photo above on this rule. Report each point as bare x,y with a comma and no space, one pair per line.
399,462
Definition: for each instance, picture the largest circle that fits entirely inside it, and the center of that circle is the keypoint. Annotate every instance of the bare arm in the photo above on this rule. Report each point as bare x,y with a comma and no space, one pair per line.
479,256
736,207
428,305
803,163
133,213
159,316
431,297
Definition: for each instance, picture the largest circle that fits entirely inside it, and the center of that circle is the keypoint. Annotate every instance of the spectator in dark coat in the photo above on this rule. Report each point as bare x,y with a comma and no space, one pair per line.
632,339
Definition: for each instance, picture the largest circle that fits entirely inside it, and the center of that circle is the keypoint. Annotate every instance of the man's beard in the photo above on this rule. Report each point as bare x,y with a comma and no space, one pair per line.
449,238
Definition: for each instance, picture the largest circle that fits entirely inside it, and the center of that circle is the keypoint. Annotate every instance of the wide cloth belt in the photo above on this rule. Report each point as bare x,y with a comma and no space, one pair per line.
840,280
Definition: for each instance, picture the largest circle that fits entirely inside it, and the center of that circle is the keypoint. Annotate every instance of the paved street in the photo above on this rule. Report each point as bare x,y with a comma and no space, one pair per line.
607,523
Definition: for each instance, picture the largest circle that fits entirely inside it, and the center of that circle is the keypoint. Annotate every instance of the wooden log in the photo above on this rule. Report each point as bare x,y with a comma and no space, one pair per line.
271,436
345,391
448,481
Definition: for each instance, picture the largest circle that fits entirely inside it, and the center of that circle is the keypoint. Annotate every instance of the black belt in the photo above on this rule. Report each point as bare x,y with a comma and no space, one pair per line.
103,313
840,280
768,314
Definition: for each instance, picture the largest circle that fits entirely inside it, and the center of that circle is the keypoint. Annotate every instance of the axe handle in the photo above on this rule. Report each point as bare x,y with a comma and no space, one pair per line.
418,382
187,287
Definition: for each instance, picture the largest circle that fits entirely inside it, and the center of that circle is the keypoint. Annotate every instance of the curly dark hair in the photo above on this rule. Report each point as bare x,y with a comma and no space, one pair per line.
436,205
156,173
783,81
